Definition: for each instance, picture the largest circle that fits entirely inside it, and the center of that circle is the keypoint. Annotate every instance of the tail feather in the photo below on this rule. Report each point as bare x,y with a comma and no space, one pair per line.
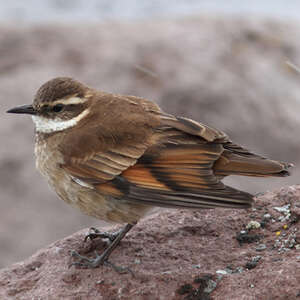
231,163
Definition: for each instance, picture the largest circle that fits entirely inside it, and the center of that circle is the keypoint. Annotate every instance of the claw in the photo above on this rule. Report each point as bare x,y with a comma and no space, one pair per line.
95,233
88,262
98,260
102,259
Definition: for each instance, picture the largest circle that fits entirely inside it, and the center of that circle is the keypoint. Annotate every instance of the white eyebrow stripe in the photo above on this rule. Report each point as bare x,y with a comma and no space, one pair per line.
72,100
46,125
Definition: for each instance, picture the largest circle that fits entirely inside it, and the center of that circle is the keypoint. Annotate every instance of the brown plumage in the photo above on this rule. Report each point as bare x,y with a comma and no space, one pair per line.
120,155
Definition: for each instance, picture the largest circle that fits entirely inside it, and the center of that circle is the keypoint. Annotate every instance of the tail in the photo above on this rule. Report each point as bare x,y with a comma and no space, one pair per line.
236,160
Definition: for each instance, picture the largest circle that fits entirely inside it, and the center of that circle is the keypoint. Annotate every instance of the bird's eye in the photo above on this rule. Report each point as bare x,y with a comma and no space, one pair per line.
58,107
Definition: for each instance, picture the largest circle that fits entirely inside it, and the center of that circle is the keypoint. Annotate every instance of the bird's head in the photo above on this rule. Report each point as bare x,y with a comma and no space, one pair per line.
59,104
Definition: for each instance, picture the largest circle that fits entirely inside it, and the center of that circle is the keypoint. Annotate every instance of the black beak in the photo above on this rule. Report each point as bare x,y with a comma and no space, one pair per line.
24,109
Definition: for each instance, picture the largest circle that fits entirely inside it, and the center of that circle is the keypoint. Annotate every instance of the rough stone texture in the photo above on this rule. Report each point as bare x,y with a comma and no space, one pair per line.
178,255
227,72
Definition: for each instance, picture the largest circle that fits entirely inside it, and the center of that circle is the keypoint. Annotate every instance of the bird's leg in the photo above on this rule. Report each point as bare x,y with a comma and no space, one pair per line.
103,258
94,233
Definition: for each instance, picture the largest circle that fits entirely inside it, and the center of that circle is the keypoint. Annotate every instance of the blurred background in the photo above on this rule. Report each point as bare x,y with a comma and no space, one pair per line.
220,62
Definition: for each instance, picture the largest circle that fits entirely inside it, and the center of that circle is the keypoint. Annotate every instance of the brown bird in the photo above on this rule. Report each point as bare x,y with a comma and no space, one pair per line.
114,157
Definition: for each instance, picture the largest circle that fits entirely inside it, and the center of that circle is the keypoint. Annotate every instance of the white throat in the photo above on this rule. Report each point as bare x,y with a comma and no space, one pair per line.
46,125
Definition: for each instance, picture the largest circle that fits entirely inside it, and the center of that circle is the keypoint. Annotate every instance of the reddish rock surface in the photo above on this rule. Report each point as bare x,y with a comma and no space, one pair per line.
208,254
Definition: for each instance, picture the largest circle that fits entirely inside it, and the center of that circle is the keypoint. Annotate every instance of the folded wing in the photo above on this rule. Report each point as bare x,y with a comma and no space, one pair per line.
177,171
179,165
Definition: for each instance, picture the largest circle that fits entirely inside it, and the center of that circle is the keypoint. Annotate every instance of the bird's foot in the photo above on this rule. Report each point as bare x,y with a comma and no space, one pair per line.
102,259
87,262
99,260
94,233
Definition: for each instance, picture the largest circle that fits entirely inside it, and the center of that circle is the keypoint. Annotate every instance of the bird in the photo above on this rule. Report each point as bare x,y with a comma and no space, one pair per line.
115,157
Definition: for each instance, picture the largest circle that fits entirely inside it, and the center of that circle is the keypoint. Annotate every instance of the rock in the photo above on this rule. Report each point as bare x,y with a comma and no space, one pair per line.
167,251
245,237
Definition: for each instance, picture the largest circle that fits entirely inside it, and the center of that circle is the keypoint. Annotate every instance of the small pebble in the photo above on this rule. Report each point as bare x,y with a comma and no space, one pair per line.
239,270
261,247
253,263
221,272
244,237
211,285
284,209
267,216
196,266
252,285
297,247
100,281
256,258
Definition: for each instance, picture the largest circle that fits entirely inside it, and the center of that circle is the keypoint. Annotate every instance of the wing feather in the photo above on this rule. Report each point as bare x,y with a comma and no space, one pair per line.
101,167
176,181
172,166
